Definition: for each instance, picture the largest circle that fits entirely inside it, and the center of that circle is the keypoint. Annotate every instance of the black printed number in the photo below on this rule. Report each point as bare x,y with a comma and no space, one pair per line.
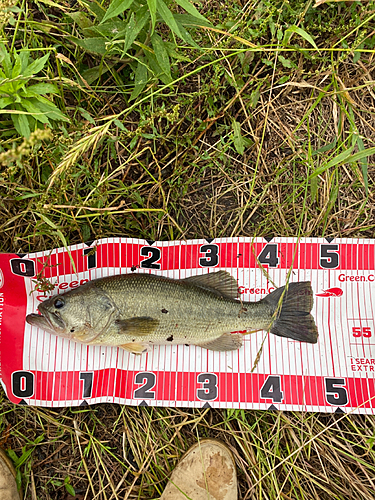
211,258
148,379
23,267
329,257
336,395
268,256
209,386
23,384
91,257
87,378
272,389
153,255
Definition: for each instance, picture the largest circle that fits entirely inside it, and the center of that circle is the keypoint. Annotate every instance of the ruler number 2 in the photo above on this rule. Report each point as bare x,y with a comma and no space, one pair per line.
153,254
148,379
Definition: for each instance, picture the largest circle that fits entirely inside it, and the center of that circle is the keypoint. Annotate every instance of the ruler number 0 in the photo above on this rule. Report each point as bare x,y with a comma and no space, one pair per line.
336,395
271,389
148,379
209,386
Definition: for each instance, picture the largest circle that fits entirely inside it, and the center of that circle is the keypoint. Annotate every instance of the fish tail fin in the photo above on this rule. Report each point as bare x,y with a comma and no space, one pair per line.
292,317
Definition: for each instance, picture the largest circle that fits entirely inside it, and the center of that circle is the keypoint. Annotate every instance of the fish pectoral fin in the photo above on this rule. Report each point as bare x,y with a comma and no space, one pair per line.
227,342
139,326
220,282
133,347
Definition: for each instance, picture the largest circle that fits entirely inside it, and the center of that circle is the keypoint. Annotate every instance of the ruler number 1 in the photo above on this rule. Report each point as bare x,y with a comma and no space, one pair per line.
87,378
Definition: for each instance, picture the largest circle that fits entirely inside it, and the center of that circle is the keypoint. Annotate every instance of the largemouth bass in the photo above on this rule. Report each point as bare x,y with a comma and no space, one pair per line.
134,311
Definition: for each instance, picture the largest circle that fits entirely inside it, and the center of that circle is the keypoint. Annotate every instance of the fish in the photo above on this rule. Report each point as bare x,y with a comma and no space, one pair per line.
138,310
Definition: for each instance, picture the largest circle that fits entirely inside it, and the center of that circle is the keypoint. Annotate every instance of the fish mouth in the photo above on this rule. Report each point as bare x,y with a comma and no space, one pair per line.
46,320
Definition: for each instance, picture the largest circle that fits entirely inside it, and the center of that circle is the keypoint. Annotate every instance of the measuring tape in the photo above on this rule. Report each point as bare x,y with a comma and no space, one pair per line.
335,375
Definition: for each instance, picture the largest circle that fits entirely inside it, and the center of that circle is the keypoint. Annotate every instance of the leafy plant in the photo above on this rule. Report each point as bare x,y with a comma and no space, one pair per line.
26,103
127,32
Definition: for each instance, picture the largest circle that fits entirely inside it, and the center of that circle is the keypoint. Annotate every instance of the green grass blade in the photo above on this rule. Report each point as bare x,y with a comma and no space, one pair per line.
115,8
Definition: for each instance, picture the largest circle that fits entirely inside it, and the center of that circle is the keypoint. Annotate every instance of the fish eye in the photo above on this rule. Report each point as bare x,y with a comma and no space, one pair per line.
59,303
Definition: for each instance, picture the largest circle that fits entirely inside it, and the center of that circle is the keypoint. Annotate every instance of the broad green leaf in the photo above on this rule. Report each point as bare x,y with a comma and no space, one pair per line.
5,61
188,20
161,54
16,70
86,116
152,7
168,18
131,34
95,8
81,19
51,110
303,34
95,45
186,36
115,8
364,163
37,113
156,69
287,63
237,138
189,7
21,124
36,66
140,79
42,88
25,56
4,101
114,28
92,74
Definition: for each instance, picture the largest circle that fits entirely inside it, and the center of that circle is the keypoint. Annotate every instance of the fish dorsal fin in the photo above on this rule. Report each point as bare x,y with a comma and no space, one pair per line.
227,342
139,326
220,282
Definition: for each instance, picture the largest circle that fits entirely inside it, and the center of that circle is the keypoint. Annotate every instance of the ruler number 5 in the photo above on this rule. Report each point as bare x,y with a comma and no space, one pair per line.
336,395
329,256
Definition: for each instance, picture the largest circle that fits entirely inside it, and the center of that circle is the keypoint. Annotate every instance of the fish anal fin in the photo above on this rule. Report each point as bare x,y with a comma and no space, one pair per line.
227,342
219,282
133,347
138,326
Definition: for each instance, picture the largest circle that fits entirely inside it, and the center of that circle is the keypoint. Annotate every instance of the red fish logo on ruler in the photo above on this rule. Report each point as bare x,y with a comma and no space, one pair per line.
144,322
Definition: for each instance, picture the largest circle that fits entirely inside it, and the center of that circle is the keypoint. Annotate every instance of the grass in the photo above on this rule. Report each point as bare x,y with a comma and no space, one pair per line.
251,132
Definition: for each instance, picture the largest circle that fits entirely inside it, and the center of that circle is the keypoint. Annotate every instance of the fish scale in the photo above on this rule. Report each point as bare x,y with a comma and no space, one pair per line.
194,314
134,311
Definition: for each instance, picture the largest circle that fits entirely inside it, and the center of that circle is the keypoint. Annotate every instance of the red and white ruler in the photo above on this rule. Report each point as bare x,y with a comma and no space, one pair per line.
335,375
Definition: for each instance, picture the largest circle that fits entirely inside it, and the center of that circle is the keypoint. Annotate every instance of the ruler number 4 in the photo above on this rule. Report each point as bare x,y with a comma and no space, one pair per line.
271,389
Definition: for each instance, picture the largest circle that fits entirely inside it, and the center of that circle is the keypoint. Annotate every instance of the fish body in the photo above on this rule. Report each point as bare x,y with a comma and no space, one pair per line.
134,311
